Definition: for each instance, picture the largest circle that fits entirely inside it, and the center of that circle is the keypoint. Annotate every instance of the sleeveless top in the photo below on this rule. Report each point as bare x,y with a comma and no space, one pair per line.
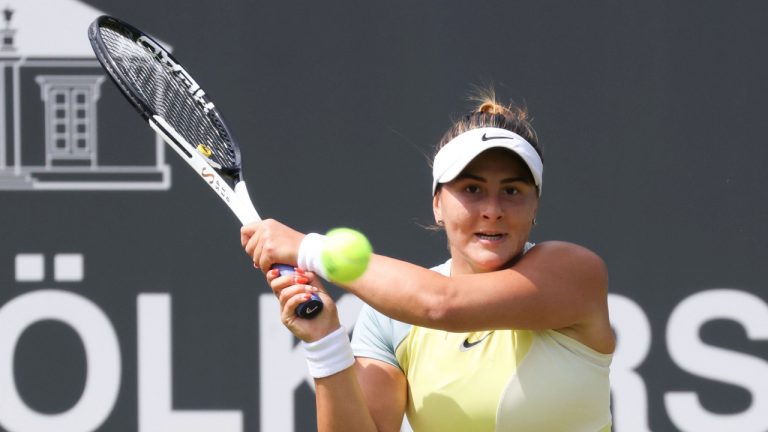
498,380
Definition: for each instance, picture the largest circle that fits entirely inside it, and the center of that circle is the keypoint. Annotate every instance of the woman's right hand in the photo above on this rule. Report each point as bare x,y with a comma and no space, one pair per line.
294,289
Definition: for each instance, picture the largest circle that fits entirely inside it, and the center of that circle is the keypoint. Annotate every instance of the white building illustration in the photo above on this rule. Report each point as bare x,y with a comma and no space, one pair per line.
62,124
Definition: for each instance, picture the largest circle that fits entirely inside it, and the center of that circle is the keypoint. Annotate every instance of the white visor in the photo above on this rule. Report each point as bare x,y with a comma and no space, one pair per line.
460,151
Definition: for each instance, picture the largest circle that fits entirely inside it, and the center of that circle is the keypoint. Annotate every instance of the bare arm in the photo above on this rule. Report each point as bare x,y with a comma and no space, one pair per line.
368,397
556,285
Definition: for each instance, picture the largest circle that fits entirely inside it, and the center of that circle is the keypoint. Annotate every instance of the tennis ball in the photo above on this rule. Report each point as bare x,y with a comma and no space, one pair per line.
345,254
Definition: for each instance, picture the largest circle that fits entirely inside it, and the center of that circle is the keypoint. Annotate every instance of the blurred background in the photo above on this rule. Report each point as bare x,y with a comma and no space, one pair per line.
122,281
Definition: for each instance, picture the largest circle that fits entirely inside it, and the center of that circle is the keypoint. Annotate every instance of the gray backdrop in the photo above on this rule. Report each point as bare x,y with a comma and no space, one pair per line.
651,114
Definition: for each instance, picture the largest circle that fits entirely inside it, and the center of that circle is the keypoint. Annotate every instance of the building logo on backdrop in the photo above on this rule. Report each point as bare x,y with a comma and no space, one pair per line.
61,126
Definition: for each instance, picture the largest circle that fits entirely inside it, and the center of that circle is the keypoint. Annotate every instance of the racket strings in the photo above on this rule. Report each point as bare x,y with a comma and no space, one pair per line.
166,94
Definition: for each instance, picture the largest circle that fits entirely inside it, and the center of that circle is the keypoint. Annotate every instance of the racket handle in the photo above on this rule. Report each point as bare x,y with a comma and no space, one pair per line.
310,308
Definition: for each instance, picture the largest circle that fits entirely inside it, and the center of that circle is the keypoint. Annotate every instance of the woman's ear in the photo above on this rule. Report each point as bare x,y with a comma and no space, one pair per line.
437,208
535,213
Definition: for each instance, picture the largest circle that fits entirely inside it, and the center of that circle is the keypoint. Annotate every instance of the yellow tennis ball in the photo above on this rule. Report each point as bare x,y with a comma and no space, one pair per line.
345,254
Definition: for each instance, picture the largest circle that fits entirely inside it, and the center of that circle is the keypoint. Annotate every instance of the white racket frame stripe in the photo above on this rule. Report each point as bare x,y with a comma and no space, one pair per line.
236,199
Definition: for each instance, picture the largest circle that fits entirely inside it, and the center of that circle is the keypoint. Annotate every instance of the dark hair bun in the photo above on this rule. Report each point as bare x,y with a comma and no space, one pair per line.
491,107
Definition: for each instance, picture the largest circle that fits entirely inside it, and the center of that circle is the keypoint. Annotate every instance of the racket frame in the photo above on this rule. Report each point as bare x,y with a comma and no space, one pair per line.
226,182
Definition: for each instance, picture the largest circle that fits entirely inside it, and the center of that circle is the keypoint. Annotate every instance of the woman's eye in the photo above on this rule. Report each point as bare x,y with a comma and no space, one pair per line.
472,189
512,191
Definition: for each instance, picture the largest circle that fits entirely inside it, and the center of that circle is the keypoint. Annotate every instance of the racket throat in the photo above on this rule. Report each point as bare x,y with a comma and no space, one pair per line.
247,212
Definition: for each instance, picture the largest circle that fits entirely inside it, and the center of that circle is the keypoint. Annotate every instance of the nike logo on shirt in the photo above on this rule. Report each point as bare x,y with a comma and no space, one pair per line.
466,345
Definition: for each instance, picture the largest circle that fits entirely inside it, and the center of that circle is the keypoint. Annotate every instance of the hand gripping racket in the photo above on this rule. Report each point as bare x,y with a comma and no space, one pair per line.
182,113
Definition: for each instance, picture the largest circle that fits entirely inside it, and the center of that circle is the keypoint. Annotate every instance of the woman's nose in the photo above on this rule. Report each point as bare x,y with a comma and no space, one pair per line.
492,209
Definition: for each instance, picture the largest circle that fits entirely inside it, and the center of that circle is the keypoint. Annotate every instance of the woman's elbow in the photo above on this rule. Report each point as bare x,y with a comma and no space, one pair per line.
442,312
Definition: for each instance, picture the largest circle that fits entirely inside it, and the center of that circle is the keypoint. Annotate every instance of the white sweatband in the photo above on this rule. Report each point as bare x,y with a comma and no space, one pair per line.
329,355
310,254
451,160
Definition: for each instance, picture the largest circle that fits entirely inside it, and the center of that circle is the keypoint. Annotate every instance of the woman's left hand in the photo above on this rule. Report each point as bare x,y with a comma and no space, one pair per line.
269,242
295,288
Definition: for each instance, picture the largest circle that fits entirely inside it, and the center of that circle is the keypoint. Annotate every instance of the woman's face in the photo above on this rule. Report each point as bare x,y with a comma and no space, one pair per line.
487,212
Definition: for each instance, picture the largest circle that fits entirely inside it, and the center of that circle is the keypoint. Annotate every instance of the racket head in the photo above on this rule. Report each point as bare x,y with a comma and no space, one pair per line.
157,85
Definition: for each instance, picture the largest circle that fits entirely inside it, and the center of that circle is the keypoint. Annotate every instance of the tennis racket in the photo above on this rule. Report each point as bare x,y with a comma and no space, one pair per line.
178,109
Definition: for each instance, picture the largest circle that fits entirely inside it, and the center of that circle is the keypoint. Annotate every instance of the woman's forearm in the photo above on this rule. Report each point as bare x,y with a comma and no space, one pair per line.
341,405
403,291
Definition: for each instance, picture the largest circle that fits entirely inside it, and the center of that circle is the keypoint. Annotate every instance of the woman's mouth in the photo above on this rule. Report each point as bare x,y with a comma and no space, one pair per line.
491,237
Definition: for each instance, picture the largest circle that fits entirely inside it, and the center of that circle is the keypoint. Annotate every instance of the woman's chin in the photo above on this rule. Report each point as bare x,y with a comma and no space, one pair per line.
486,264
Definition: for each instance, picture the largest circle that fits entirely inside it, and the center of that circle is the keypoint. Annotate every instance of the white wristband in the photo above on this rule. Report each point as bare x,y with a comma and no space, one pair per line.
329,355
310,253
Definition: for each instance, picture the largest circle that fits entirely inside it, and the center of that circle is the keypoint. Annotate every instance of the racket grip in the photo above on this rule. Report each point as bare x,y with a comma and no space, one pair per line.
310,308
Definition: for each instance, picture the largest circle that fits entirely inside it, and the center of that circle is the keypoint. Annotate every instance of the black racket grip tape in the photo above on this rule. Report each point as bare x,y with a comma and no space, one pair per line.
310,308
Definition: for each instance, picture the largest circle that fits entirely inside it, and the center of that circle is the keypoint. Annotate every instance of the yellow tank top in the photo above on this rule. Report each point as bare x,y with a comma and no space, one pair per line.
504,380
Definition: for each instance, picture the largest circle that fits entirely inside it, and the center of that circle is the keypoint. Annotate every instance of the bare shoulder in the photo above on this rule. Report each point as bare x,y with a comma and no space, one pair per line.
585,273
575,259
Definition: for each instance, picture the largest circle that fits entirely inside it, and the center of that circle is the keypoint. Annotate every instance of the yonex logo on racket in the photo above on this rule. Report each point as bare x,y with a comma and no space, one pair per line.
217,184
207,176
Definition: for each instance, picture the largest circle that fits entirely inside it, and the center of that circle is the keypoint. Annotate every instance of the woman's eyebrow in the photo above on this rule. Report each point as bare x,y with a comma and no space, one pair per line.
471,177
515,179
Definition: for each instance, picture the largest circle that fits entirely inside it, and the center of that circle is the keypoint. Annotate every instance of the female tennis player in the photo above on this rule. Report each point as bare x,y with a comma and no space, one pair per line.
505,335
